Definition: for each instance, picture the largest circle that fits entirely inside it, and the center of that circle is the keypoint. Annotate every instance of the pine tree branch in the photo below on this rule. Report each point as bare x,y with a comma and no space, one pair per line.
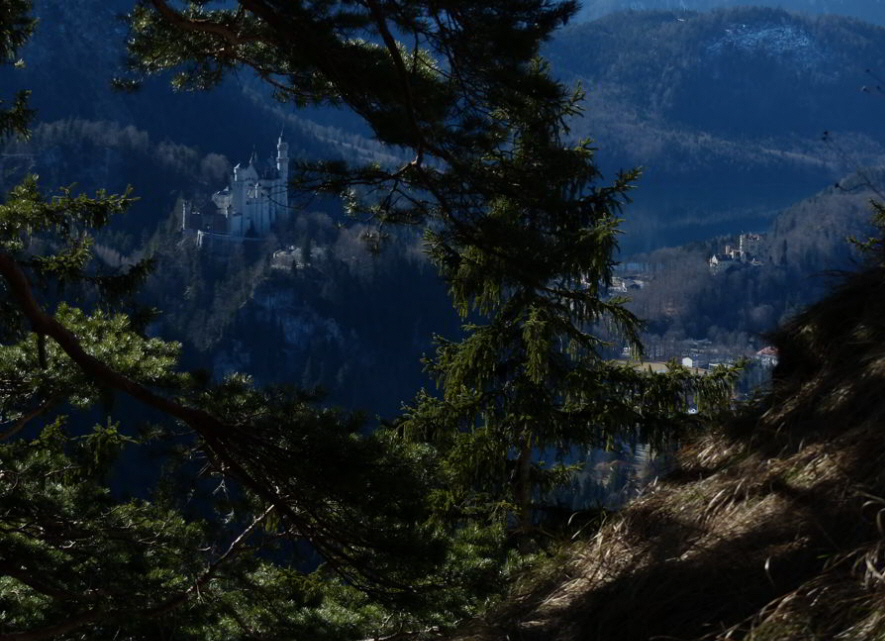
234,548
20,288
337,550
56,630
97,614
398,62
200,26
40,586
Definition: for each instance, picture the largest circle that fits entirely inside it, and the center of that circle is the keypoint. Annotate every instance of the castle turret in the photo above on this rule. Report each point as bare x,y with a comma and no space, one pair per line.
280,199
283,158
185,215
237,188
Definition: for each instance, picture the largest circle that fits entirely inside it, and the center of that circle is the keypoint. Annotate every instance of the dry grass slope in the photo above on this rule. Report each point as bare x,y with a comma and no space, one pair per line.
772,528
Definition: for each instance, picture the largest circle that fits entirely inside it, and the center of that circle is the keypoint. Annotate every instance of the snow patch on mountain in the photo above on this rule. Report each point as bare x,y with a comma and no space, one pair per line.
781,41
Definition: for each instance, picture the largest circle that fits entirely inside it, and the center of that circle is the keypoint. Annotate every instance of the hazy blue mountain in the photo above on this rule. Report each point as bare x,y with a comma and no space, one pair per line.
726,110
869,10
77,50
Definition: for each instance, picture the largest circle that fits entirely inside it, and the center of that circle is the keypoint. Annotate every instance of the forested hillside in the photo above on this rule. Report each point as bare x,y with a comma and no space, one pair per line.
80,48
724,148
724,145
725,110
174,152
466,256
735,304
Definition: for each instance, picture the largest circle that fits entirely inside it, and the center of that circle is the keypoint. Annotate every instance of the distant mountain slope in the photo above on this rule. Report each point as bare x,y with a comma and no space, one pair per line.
869,10
725,110
748,72
735,307
770,529
78,48
94,155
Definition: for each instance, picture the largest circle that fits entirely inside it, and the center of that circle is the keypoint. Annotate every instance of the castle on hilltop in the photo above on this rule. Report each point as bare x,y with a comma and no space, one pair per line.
256,198
746,253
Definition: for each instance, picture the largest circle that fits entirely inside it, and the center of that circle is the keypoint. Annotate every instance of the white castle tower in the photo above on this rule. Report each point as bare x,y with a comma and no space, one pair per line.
283,157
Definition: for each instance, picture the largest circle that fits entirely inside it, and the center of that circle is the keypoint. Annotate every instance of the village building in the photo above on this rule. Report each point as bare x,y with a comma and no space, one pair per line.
767,356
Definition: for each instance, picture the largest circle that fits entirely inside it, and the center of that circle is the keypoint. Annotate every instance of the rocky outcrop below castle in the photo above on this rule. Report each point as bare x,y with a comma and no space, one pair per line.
355,326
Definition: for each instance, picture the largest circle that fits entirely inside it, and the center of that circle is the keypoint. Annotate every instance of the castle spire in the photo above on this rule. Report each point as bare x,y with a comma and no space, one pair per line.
283,157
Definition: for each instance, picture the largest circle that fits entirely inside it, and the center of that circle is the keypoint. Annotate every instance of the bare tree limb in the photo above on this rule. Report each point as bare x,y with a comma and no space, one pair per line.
27,418
232,550
97,614
54,630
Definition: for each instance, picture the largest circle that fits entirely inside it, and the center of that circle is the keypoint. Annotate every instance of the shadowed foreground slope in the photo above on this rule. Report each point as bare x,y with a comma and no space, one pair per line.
774,528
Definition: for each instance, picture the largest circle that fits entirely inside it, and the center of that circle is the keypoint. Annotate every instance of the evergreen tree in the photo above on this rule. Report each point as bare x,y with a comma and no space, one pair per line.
233,481
519,222
530,379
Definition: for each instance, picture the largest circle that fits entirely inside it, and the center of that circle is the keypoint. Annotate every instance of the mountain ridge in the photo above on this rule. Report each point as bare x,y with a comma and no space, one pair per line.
869,10
714,150
723,122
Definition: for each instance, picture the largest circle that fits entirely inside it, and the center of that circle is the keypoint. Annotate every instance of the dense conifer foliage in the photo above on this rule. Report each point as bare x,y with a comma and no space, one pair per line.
16,27
520,225
80,558
530,378
531,257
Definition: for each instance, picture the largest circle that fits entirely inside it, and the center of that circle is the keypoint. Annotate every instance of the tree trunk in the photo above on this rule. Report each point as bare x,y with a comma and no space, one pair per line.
522,491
